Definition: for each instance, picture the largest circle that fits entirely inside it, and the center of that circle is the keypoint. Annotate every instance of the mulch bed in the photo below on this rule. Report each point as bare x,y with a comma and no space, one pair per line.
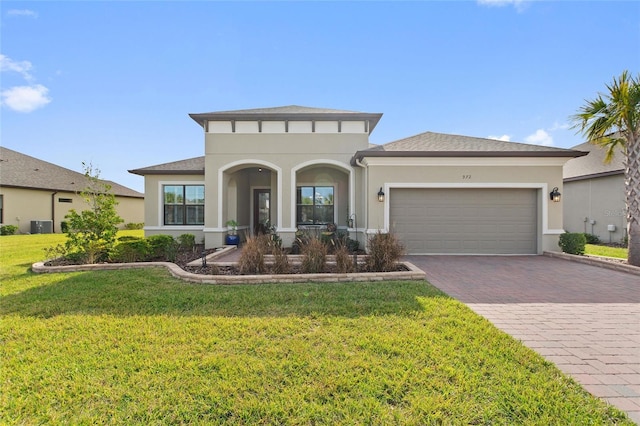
183,258
295,269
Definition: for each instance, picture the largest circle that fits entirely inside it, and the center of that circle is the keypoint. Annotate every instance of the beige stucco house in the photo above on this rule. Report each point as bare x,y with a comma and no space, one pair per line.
594,197
36,195
306,167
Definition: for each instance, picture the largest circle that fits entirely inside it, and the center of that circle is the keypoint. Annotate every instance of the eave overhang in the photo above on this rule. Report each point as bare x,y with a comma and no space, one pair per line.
142,172
360,155
372,118
594,176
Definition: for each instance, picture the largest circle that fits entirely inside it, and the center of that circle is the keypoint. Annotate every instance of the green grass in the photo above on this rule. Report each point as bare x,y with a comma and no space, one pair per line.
598,250
139,347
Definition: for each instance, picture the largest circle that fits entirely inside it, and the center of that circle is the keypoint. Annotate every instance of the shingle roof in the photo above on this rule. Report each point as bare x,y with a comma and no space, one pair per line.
194,166
22,171
288,109
592,165
430,144
289,112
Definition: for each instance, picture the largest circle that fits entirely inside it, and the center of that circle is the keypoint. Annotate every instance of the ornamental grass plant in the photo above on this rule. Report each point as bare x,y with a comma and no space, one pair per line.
314,256
252,258
384,252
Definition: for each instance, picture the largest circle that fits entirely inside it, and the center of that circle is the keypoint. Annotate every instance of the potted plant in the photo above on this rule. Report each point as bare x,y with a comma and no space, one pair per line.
232,238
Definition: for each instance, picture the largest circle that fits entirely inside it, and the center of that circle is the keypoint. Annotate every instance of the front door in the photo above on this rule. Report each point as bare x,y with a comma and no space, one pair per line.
261,210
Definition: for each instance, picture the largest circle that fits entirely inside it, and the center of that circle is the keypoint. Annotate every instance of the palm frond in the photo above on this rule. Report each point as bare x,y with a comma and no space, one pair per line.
612,120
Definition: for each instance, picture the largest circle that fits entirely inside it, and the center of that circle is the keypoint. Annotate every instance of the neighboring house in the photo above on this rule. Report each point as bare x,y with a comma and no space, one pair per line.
306,167
594,197
32,190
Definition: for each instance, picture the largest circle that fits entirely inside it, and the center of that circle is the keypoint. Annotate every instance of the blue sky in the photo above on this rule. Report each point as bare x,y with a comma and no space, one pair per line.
111,83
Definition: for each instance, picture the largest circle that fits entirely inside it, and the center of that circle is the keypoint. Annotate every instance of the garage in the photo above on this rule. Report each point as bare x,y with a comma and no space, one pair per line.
465,221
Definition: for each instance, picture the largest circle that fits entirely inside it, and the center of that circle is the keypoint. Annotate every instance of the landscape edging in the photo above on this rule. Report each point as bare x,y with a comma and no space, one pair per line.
594,261
413,273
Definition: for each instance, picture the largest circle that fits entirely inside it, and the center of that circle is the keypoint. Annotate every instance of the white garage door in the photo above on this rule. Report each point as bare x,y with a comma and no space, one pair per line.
465,221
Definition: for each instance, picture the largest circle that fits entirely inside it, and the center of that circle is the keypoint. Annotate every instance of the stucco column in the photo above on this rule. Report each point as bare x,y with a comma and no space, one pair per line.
213,234
286,202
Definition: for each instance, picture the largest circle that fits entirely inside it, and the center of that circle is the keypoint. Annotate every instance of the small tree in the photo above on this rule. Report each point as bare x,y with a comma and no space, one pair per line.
612,121
93,231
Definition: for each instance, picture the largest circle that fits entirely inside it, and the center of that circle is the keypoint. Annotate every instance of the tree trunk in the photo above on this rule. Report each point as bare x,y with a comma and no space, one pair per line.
632,188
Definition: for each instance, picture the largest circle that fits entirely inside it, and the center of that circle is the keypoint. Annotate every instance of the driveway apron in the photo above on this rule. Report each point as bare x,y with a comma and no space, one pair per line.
583,318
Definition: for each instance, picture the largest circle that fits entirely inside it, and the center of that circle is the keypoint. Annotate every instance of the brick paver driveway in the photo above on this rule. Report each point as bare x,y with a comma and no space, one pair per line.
583,318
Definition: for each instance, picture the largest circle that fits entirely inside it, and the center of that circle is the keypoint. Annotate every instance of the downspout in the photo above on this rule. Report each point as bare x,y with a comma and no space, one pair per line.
358,163
53,212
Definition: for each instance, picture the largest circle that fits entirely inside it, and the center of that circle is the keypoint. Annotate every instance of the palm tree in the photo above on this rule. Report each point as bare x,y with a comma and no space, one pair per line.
612,121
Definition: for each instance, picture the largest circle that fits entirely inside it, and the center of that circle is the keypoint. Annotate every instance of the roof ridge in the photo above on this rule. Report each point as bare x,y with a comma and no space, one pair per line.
477,138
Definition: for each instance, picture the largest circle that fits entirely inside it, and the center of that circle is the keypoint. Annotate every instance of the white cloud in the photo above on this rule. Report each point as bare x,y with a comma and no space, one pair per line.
505,138
558,126
22,12
540,137
22,67
22,98
25,98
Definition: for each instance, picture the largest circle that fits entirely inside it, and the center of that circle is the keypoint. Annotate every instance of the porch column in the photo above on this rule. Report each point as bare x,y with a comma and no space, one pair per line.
286,202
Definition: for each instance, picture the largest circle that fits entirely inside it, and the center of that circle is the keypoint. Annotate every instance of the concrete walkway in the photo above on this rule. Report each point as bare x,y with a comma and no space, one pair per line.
583,318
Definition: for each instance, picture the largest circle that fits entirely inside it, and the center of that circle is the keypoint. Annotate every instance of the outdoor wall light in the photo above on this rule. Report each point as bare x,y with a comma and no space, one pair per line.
554,195
381,195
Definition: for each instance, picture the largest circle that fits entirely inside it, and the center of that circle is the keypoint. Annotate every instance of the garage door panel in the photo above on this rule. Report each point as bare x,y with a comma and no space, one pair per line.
478,221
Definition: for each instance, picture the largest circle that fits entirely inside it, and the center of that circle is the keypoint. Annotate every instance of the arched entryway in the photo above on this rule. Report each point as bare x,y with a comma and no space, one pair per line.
249,195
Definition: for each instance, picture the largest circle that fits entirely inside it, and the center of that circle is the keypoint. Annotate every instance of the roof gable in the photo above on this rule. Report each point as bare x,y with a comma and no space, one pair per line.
593,165
23,171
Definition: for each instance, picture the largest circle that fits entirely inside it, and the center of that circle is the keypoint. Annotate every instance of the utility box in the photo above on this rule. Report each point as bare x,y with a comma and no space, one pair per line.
41,226
611,228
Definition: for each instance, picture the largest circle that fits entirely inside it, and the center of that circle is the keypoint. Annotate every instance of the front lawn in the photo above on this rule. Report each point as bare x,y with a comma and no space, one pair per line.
139,347
598,250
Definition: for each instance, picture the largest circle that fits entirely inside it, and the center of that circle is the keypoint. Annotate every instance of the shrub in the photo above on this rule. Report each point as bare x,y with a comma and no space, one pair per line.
384,252
344,262
55,252
92,232
272,233
314,256
90,252
64,226
353,245
8,229
187,241
163,247
328,239
132,226
572,243
280,261
78,258
343,238
592,239
252,258
131,250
